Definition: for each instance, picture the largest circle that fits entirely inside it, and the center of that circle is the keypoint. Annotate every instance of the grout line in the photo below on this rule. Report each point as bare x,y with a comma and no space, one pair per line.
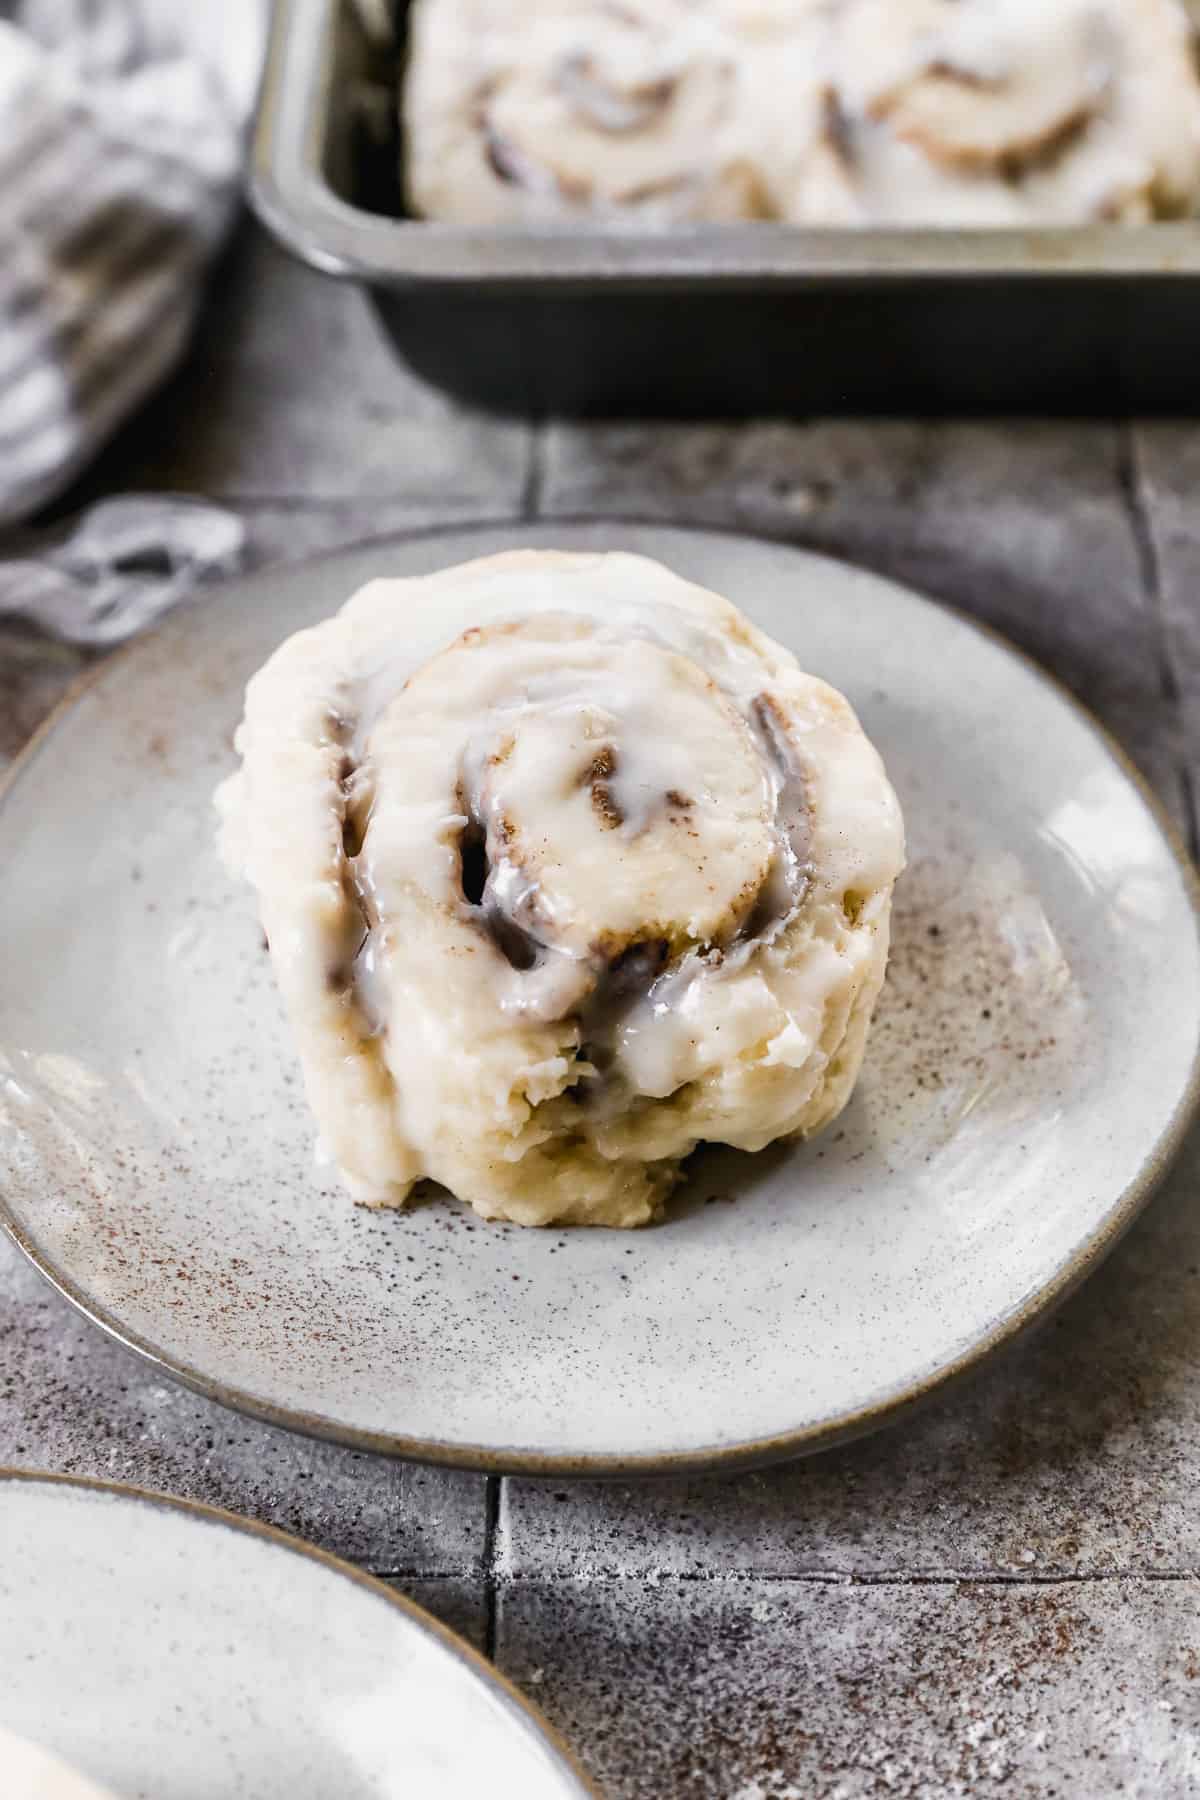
1129,486
825,1578
490,1523
494,1579
434,512
392,1574
535,473
1131,481
1133,491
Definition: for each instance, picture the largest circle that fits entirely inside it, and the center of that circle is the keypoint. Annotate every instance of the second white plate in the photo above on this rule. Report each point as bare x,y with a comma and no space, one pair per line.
1032,1066
171,1652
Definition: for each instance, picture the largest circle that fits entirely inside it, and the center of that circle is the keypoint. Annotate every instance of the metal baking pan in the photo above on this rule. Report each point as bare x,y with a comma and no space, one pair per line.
710,320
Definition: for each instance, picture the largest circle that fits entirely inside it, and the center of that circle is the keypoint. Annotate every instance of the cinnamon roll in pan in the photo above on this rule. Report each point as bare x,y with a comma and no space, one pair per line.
821,112
1003,112
564,867
552,110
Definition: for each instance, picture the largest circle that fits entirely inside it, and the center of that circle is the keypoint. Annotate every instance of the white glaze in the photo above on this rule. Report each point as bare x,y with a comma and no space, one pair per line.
663,952
546,109
1001,112
842,112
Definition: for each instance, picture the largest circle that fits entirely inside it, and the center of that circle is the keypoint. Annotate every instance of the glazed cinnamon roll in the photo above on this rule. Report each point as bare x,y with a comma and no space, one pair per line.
564,867
553,109
993,112
822,112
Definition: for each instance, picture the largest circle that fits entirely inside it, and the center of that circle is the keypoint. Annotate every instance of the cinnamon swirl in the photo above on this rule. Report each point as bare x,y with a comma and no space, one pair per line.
998,112
822,112
553,111
564,867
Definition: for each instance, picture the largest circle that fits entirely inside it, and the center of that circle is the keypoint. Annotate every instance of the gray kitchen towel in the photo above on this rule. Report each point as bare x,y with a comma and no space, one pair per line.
121,141
104,575
122,134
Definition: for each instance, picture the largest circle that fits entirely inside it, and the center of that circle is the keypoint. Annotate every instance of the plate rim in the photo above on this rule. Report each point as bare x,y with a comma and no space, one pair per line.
515,1703
748,1454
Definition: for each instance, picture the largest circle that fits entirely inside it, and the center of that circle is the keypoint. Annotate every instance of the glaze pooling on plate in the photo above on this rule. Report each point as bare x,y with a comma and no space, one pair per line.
604,876
156,1145
165,1649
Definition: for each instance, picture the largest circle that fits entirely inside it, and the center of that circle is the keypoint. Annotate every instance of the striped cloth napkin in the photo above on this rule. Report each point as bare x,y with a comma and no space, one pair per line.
122,133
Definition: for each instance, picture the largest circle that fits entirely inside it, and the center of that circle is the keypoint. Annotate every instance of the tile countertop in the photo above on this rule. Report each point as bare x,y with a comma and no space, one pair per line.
1000,1597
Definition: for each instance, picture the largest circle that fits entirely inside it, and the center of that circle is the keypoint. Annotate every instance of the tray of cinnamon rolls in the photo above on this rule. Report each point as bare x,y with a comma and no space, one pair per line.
725,206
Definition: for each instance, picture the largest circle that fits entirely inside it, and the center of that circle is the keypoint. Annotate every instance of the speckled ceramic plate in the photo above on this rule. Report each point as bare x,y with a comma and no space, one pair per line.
172,1652
1032,1066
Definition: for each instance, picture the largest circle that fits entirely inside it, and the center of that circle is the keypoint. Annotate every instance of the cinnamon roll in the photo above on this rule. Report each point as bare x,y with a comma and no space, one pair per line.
992,112
822,112
564,867
553,109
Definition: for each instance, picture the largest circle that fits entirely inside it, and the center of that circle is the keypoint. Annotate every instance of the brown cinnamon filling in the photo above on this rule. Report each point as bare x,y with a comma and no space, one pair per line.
473,863
503,159
510,164
606,108
598,777
836,128
518,947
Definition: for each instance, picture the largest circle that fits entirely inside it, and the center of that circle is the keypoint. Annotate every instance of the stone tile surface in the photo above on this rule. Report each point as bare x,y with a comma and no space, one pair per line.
291,390
1168,469
1077,1452
73,1401
1029,526
457,1601
789,1690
